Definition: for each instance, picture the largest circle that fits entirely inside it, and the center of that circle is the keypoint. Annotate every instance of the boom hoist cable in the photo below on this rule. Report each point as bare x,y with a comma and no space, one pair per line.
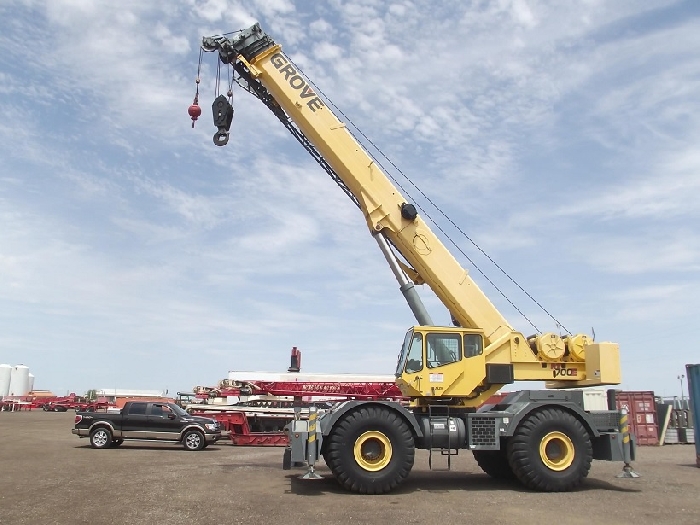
223,113
441,212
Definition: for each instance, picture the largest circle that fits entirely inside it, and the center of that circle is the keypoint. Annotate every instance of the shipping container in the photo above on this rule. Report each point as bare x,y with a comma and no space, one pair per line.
641,407
693,373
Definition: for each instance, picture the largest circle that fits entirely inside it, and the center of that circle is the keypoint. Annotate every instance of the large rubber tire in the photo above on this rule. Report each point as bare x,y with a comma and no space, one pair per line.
370,450
100,437
494,463
193,440
550,451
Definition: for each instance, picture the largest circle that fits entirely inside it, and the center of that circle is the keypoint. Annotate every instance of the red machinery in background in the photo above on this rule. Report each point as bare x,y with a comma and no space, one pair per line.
53,403
365,390
261,408
70,402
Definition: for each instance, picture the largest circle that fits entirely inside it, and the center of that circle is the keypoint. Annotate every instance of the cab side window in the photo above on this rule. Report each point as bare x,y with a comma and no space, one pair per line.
443,349
137,409
473,345
160,410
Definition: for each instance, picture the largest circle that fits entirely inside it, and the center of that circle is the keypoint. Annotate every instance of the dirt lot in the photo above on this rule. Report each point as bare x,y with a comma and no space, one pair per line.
47,476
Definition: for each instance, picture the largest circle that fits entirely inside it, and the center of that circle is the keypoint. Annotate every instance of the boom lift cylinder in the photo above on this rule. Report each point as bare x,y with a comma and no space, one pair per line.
407,287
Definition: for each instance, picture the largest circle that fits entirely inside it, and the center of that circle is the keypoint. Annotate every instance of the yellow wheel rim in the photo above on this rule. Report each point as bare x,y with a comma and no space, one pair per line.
372,451
557,451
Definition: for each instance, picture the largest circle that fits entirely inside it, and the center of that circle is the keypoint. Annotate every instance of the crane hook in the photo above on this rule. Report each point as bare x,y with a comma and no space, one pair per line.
223,115
221,137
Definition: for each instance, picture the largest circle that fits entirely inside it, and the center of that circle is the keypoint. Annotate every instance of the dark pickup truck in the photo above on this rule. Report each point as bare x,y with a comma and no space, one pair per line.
147,421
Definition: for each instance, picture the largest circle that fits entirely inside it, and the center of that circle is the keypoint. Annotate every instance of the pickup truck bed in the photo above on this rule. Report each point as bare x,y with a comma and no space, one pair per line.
148,421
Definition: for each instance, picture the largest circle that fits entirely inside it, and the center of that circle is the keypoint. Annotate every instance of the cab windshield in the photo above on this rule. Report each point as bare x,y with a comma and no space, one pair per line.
411,357
404,352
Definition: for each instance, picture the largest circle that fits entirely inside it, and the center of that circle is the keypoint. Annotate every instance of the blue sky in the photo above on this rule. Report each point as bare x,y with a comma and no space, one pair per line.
561,136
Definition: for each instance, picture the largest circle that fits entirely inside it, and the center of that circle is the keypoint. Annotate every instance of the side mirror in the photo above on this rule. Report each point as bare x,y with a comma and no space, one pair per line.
171,416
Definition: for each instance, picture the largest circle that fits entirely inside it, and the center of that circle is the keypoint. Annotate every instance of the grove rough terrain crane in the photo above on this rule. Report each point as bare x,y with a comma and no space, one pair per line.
545,439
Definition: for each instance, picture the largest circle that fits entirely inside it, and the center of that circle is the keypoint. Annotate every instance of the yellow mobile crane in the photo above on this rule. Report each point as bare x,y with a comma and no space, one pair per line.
543,438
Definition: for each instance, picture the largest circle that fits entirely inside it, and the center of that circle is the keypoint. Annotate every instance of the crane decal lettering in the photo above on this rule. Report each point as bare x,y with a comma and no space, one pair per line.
296,81
559,369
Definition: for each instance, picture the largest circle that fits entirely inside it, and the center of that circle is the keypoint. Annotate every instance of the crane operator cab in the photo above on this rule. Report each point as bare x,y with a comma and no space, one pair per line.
442,362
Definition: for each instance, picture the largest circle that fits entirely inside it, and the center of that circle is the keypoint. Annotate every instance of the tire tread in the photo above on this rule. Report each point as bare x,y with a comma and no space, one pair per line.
338,449
494,463
523,453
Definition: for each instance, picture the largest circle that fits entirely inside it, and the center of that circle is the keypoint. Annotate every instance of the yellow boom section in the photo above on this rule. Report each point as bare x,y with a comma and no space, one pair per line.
379,199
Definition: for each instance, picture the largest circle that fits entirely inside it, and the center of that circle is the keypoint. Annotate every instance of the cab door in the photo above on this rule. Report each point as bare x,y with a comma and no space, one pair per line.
427,372
442,363
441,351
135,421
163,422
411,378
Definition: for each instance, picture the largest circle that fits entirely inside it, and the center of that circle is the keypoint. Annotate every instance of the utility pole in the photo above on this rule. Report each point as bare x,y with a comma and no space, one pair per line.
680,378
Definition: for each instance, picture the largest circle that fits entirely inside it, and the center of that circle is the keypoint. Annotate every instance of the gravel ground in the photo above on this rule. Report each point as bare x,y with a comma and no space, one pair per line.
49,476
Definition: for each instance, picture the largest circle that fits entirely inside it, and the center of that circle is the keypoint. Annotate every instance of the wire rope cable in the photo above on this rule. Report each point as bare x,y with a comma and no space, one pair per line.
441,212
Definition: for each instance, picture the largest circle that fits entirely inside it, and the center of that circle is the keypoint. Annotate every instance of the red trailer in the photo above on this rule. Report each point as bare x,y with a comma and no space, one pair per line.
261,421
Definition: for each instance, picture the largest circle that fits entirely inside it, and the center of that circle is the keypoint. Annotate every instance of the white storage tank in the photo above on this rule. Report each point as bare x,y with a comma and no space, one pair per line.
5,374
31,382
19,381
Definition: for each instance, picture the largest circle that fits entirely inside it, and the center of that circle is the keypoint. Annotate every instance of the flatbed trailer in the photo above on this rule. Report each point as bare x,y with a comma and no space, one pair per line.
261,421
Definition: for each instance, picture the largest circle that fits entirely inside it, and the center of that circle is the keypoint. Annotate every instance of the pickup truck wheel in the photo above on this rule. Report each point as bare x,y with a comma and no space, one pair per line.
193,440
370,450
100,438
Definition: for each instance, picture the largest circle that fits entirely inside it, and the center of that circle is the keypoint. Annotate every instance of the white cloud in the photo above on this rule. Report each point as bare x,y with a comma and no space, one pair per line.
327,51
653,252
212,10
